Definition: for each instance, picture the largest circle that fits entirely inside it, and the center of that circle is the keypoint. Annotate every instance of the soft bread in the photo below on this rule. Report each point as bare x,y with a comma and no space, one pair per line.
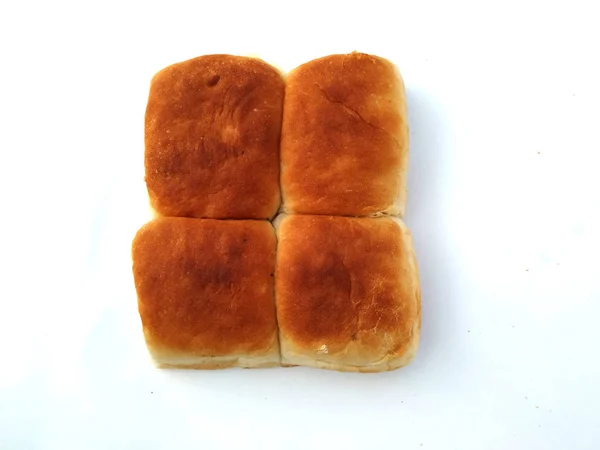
344,141
206,292
212,130
348,295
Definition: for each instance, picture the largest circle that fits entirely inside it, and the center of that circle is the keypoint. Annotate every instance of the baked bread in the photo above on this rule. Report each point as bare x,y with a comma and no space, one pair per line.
212,133
344,139
347,293
206,292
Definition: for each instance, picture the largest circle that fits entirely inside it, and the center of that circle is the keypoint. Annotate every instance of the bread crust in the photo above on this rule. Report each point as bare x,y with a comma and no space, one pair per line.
341,291
212,134
348,295
344,141
206,292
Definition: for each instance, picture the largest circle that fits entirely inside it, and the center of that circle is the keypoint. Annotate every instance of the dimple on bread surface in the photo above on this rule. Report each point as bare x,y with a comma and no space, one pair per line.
344,142
212,132
206,292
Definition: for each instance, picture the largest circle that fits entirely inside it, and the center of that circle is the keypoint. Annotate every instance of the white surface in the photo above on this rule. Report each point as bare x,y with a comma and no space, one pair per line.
503,204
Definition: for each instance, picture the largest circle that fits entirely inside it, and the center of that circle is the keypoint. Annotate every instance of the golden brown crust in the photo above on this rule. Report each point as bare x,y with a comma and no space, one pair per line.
206,291
212,130
347,293
344,141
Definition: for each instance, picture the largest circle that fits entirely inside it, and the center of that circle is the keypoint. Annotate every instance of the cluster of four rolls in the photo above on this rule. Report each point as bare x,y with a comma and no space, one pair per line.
331,281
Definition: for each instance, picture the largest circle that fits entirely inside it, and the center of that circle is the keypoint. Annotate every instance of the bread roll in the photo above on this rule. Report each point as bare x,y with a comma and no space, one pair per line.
213,127
206,292
347,292
344,141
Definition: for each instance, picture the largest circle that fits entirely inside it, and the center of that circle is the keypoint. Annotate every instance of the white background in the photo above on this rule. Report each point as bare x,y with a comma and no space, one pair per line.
504,205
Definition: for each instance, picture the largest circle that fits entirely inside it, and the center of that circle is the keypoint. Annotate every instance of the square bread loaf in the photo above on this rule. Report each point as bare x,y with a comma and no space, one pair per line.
333,282
347,293
344,141
206,292
212,133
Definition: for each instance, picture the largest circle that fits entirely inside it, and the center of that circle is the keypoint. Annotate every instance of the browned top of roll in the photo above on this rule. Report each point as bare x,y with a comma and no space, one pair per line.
347,285
344,142
213,127
205,287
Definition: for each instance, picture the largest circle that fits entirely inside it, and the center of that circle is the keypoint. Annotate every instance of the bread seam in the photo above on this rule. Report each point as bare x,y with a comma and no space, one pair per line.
278,333
278,218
